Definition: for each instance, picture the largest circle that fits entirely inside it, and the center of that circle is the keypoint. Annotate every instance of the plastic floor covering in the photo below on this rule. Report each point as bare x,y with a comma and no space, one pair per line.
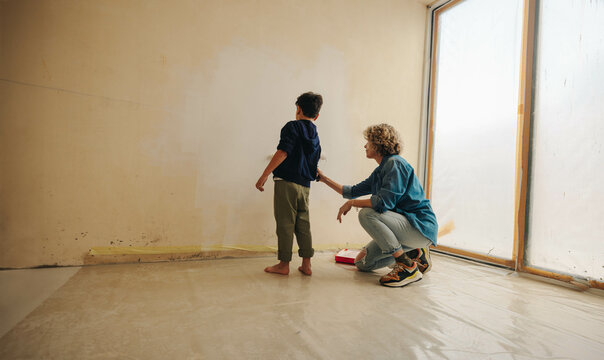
231,309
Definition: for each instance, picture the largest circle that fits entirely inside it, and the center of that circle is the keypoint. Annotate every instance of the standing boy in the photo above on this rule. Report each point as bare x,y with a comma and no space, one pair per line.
294,166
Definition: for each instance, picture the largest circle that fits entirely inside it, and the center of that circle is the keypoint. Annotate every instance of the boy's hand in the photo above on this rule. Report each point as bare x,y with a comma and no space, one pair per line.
260,183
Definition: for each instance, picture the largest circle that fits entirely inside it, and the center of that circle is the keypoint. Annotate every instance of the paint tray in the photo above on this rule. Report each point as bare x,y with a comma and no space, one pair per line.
347,256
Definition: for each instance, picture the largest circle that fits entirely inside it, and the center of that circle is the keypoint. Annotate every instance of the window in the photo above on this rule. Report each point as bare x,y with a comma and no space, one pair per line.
475,105
566,194
515,140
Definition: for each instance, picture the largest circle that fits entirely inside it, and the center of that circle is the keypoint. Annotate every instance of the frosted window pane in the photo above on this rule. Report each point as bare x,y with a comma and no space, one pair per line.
475,118
566,217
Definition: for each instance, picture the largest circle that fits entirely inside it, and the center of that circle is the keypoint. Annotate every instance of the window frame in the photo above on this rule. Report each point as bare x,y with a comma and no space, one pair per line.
524,120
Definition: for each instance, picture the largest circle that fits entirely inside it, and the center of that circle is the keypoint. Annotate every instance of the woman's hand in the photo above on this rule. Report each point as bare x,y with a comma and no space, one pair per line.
344,209
327,181
320,175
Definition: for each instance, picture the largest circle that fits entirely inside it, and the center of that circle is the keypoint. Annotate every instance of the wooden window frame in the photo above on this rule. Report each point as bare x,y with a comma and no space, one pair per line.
524,119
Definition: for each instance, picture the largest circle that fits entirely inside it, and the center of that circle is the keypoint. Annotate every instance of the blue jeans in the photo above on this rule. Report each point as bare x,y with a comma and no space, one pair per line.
390,232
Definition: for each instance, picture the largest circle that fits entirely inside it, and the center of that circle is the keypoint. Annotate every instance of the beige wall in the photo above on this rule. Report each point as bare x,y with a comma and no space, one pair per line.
147,123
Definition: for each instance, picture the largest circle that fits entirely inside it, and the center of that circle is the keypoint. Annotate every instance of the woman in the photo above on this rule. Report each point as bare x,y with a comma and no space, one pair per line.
397,216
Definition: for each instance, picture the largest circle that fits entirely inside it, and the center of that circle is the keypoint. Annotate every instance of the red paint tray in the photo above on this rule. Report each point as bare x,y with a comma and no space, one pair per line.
347,256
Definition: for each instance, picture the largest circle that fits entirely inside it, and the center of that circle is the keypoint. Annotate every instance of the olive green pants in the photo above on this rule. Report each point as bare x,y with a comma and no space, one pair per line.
291,215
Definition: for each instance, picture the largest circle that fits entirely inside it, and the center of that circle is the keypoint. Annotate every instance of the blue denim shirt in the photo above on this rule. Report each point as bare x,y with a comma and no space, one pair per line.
393,186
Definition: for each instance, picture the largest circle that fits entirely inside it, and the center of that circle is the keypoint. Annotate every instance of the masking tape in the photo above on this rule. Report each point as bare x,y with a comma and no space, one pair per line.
155,250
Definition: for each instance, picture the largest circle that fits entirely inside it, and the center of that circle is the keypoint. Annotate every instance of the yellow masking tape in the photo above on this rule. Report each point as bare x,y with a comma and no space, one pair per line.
155,250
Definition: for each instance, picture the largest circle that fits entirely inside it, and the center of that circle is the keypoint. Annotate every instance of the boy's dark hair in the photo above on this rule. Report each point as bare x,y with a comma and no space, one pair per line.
310,104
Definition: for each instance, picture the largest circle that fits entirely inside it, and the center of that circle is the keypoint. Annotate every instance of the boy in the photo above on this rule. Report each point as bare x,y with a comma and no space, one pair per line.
294,166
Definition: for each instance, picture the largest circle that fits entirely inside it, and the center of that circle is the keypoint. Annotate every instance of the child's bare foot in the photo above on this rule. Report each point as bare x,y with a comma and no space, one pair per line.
305,267
305,271
282,268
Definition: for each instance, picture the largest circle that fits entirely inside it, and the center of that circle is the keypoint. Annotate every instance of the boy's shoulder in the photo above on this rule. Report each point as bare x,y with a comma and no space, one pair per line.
300,122
290,124
297,126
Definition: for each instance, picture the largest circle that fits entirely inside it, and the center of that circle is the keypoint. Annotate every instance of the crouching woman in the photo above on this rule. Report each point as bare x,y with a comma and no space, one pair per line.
397,216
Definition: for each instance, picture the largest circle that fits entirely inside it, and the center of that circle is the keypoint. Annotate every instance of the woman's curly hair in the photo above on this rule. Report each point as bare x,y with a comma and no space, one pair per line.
385,139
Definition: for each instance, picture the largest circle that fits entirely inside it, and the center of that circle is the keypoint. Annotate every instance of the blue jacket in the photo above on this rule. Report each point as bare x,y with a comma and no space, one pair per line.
300,140
393,186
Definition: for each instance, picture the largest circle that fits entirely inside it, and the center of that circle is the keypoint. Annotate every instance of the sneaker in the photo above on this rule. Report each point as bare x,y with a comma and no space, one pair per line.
422,258
401,275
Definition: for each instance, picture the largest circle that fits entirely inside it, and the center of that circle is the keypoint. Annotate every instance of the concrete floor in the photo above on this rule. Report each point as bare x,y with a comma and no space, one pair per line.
231,309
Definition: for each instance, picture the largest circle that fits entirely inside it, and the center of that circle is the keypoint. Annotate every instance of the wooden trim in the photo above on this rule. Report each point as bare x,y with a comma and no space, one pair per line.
596,284
425,104
547,274
447,6
523,132
433,55
584,285
578,283
436,3
477,256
